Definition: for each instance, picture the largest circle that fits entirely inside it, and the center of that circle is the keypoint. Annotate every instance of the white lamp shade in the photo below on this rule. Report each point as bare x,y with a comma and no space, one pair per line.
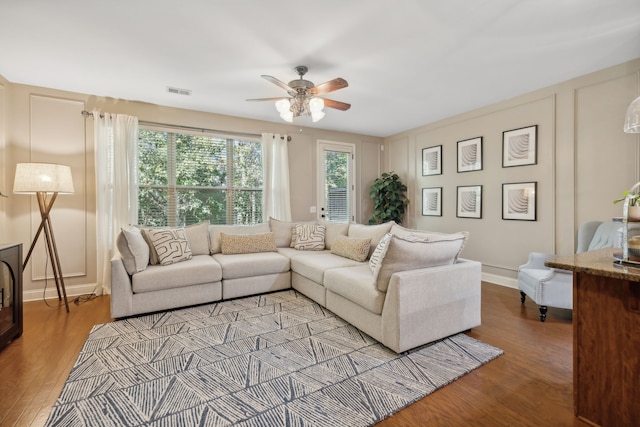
632,119
316,105
283,105
42,177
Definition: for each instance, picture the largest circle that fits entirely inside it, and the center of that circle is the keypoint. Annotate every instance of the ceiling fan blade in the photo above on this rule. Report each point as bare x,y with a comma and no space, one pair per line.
329,86
268,99
277,82
336,104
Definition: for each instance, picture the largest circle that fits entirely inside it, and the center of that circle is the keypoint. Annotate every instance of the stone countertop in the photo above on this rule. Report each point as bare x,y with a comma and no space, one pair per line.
599,262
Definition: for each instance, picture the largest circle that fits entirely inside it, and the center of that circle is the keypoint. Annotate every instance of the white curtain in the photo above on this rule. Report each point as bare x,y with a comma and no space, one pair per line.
276,201
116,148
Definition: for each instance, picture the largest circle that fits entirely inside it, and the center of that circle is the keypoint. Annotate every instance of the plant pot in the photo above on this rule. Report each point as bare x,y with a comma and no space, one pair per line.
634,212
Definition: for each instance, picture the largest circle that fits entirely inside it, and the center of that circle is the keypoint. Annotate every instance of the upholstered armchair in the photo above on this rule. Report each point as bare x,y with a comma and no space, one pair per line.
552,287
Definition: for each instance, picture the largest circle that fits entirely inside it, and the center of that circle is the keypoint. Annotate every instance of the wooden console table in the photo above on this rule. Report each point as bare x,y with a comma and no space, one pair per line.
606,338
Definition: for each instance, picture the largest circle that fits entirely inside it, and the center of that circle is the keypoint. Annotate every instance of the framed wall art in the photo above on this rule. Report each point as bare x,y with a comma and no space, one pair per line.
519,147
432,201
469,203
519,201
432,160
470,155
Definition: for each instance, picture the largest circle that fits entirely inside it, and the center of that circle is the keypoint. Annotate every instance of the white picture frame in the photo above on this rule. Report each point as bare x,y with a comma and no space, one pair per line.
432,160
469,201
470,155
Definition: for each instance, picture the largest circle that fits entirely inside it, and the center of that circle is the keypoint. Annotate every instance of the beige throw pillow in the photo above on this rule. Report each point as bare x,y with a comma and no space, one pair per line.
217,229
133,249
170,244
352,248
247,243
308,237
413,252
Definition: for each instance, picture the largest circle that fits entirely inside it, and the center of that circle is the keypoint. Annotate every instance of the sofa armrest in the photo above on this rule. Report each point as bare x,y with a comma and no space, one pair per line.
428,304
121,291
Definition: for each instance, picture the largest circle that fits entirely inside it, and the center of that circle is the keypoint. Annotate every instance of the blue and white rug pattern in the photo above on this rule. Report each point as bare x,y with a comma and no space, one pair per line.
270,360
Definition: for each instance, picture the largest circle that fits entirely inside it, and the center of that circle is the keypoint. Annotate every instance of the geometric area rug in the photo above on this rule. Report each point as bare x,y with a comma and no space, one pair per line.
277,359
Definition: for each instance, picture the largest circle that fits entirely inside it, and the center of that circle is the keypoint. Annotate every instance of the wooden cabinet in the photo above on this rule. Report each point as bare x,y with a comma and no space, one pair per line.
606,338
10,293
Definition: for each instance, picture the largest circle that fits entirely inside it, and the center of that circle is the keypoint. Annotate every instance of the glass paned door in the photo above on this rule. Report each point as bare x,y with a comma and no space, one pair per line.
336,182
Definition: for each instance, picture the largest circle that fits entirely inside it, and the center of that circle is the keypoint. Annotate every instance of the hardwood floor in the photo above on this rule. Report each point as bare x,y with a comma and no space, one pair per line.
530,385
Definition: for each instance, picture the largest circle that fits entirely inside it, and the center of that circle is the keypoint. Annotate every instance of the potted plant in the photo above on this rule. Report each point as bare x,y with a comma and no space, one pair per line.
634,203
389,199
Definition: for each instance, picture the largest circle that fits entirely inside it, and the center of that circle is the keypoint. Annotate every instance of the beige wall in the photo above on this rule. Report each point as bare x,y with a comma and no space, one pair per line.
584,162
44,125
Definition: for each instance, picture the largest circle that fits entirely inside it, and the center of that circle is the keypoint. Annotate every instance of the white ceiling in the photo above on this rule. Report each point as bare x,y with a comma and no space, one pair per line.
408,62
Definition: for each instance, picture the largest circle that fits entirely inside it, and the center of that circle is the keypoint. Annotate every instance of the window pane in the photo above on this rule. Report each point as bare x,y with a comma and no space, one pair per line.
185,179
247,207
152,206
336,179
247,164
201,161
152,157
202,205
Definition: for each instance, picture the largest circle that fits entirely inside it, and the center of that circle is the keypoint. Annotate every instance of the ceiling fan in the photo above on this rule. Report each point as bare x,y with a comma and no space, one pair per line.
303,96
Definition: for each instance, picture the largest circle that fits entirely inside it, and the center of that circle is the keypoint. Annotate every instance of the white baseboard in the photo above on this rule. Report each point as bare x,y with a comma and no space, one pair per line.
52,293
73,291
500,280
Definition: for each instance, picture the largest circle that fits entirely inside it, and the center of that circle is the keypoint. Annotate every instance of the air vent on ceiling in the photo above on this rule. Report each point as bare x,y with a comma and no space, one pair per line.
178,91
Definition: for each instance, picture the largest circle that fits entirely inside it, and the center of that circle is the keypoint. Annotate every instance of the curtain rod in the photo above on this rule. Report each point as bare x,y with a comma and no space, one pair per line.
86,114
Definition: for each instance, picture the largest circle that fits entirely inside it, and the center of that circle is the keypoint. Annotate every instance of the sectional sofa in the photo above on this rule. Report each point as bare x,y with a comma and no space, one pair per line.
403,287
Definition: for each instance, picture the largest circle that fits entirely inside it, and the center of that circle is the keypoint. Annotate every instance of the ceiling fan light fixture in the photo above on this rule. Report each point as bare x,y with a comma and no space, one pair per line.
632,118
317,115
283,106
316,105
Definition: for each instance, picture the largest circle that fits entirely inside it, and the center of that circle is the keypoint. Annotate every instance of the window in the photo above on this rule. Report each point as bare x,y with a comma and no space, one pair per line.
187,178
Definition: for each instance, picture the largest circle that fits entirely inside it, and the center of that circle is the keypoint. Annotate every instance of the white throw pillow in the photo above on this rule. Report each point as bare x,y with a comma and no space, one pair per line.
133,249
171,245
375,262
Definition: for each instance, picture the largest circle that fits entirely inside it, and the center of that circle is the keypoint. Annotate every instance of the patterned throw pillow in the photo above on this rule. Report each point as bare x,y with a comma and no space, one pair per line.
247,243
375,262
308,237
352,248
171,245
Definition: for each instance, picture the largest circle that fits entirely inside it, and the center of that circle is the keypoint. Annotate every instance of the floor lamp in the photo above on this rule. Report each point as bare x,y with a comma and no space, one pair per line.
46,181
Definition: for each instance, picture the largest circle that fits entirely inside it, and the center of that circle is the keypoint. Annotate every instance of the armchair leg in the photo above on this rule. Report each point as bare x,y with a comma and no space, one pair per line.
522,297
543,313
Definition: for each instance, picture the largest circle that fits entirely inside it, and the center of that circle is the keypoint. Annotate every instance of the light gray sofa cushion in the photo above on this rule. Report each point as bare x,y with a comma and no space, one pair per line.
292,253
332,231
248,265
197,270
414,252
357,285
314,267
374,232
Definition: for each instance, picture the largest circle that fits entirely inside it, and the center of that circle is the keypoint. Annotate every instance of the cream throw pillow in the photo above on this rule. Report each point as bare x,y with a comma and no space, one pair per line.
247,243
217,229
414,252
133,249
171,245
352,248
308,237
197,235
